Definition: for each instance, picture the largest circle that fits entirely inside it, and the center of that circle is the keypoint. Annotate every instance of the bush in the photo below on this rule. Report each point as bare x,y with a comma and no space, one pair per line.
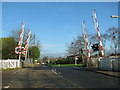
62,61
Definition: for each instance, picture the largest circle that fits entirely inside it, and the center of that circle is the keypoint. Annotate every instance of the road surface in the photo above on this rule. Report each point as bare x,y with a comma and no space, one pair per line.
57,77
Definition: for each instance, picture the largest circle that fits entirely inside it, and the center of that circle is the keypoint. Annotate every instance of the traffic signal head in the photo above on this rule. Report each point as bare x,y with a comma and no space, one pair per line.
95,47
23,58
82,51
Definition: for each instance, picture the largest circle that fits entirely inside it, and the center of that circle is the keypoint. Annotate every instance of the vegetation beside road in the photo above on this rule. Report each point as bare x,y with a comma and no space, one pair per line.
30,65
66,65
10,42
8,69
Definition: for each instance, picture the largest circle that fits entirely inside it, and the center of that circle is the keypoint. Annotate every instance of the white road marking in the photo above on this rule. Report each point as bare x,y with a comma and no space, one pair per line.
8,84
59,72
16,71
65,79
12,80
54,71
77,68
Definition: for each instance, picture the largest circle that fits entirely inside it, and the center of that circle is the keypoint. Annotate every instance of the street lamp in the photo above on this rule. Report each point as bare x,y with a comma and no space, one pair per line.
114,16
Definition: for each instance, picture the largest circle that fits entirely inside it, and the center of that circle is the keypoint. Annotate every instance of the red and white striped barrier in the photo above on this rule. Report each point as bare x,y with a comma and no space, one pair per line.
21,35
86,40
98,32
19,49
27,43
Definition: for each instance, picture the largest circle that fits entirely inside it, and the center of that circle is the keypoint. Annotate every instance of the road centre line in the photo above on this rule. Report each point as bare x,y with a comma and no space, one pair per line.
54,71
64,78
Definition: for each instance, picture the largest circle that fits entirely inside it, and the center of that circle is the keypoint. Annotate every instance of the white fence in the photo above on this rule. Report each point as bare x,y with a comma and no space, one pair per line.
112,64
10,63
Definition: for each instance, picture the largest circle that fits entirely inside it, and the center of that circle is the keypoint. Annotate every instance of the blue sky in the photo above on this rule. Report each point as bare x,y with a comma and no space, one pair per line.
57,23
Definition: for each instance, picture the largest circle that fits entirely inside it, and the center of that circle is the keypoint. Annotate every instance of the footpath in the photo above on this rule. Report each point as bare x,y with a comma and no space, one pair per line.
105,72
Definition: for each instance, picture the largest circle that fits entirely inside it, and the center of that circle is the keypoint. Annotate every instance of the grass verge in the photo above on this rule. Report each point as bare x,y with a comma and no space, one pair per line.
65,65
31,65
7,69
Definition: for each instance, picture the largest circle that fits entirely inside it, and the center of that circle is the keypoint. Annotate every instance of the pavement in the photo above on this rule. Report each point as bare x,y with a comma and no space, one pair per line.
105,72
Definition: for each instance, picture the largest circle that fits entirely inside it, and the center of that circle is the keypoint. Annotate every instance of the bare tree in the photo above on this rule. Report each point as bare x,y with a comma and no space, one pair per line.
112,35
33,40
75,46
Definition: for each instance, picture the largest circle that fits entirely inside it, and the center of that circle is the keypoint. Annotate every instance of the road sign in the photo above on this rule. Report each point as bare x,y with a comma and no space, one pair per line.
20,50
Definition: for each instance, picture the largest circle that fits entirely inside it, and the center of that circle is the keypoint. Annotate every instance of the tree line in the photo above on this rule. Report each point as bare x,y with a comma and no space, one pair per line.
78,48
61,60
9,43
110,41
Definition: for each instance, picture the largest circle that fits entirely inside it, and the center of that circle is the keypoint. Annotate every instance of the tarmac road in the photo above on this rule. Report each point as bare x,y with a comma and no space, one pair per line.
38,77
58,77
88,79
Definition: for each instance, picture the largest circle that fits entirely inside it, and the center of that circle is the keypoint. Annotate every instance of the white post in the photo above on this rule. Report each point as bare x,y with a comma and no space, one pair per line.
48,60
76,60
19,61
